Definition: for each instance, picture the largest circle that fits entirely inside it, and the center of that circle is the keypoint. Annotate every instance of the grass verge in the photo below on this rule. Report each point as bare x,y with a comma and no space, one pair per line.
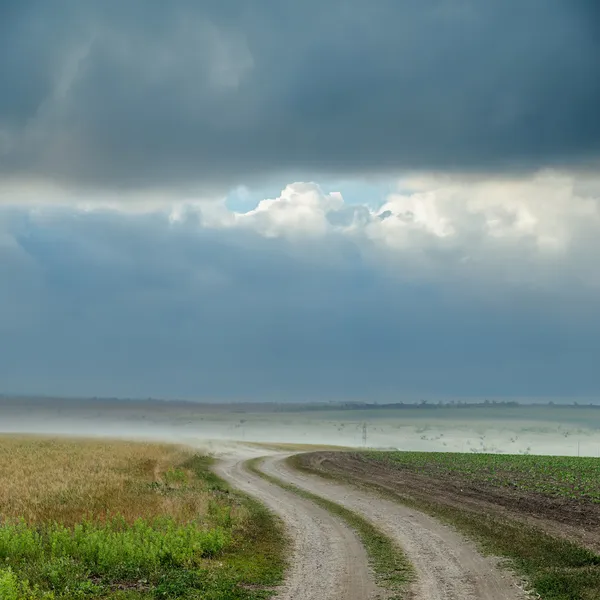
392,569
555,568
90,519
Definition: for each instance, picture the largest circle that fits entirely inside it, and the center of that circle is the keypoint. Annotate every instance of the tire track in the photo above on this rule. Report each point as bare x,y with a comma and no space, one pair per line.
328,561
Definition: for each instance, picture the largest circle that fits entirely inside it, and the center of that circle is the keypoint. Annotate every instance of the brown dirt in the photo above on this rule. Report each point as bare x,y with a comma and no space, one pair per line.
577,521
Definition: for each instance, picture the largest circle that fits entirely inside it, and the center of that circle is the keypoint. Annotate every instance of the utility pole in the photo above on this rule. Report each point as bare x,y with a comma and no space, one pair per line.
364,434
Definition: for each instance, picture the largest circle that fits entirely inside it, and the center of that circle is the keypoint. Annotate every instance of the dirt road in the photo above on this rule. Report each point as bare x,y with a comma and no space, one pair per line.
448,566
328,561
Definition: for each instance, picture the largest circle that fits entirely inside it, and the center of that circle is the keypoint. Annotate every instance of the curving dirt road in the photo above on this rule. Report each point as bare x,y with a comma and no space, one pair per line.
328,561
448,566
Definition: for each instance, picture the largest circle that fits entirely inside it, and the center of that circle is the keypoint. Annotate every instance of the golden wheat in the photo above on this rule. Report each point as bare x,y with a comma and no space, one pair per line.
67,480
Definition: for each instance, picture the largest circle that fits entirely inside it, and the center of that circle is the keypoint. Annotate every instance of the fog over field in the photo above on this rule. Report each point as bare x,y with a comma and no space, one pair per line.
501,428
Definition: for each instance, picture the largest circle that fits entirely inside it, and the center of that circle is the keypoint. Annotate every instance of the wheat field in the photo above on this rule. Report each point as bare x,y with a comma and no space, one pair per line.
68,480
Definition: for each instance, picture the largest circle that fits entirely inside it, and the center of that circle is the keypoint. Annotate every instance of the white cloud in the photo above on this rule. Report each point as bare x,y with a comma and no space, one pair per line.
536,229
301,209
520,229
544,209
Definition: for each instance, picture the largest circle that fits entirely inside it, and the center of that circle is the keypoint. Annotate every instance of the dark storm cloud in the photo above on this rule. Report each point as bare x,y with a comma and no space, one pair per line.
146,93
109,304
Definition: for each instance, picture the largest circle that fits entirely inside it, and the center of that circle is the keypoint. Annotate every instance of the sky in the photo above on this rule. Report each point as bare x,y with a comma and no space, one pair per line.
342,200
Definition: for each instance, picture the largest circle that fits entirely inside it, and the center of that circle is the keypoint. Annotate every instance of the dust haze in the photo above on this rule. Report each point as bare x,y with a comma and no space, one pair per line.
561,429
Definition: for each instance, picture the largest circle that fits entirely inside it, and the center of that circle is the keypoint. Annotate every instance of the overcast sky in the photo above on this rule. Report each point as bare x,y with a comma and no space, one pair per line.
300,200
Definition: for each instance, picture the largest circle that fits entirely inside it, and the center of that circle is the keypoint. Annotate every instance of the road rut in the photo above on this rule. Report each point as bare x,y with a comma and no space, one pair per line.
328,561
448,566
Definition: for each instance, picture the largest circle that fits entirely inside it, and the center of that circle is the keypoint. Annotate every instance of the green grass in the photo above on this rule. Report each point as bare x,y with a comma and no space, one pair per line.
231,548
556,476
112,548
391,566
555,568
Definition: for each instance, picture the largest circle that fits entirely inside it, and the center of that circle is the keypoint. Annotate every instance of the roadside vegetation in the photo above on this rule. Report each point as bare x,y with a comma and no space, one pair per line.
110,519
555,568
392,568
